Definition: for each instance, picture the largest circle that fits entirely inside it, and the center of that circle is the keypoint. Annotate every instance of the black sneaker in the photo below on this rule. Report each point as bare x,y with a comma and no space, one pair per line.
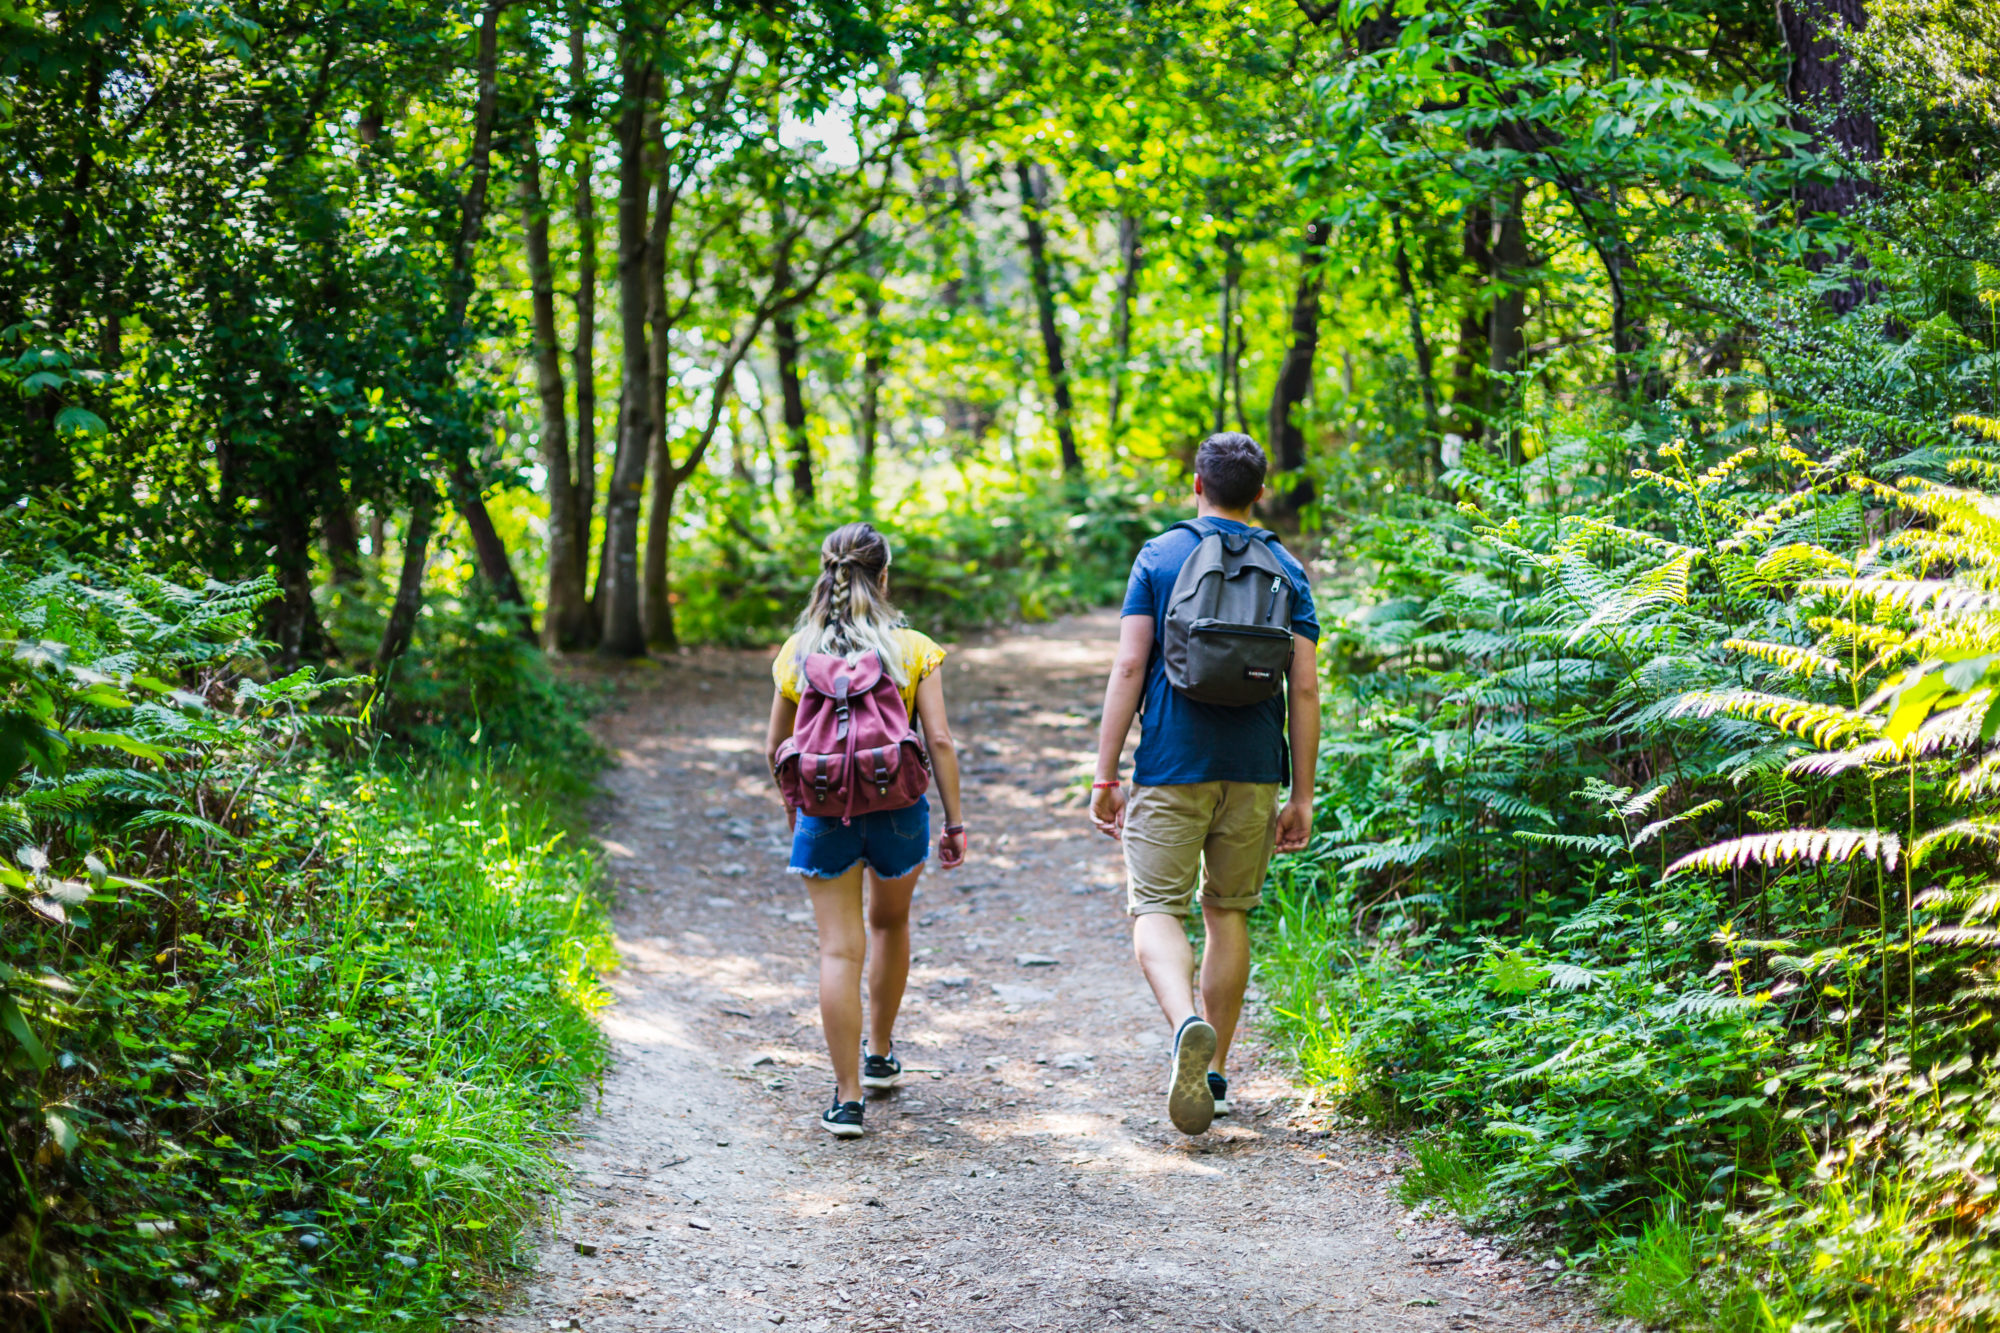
880,1071
1189,1104
1218,1087
842,1120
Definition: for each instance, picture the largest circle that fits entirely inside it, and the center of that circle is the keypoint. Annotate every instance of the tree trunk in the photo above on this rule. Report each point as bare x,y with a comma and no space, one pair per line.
1506,336
1285,437
1045,313
341,537
1468,383
495,570
583,368
459,283
409,589
1128,295
1222,319
566,617
655,612
873,364
785,342
624,636
1838,127
1420,346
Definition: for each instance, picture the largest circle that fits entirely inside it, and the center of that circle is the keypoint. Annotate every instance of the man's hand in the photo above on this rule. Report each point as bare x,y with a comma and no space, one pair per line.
1295,823
1107,811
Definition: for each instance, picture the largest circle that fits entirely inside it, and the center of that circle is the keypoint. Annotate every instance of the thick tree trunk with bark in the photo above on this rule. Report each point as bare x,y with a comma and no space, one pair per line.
1420,346
565,624
1285,437
1121,329
792,407
624,636
655,606
583,358
1839,127
1045,314
1506,332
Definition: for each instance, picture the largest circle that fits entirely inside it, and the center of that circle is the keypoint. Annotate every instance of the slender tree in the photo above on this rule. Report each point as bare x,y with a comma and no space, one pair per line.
622,633
1033,205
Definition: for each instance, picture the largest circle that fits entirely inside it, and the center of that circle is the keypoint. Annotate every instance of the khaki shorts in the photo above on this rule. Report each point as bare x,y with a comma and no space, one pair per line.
1224,829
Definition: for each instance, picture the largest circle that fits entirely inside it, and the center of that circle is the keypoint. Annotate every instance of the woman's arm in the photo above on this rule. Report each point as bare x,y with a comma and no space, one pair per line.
944,763
784,712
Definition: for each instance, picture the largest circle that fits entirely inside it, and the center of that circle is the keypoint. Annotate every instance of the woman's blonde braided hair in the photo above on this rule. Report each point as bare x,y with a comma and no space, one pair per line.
849,612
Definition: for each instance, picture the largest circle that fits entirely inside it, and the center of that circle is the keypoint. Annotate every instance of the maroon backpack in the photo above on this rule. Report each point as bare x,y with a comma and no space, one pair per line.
852,750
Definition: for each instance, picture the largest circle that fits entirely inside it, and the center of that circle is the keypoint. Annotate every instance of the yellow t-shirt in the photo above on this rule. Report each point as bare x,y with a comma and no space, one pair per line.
921,656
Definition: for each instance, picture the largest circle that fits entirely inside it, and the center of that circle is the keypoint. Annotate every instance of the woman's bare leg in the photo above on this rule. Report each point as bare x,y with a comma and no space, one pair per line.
842,946
888,953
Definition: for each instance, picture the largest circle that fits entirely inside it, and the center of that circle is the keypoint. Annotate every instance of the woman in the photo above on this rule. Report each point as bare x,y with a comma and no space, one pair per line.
850,615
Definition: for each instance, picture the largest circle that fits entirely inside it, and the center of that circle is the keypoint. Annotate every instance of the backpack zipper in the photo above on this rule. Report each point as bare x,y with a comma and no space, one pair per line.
1277,581
1245,631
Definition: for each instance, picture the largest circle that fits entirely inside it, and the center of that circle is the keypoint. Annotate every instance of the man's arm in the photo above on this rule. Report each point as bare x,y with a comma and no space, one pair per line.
1121,705
1295,820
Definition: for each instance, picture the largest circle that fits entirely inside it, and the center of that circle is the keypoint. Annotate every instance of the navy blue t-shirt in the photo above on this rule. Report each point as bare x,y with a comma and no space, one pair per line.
1180,740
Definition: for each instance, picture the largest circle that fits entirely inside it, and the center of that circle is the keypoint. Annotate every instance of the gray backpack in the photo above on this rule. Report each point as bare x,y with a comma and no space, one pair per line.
1228,636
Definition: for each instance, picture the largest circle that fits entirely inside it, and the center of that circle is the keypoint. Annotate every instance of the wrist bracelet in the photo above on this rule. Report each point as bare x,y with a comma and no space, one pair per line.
950,829
1100,786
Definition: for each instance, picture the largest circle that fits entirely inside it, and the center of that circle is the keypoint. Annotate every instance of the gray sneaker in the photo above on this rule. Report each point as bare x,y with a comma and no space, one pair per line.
1190,1105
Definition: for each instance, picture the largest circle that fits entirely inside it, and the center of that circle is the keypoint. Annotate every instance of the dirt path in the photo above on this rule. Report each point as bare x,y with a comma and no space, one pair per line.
1023,1177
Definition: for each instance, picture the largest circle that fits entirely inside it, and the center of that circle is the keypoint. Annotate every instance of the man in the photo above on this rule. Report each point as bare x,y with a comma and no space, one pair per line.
1205,783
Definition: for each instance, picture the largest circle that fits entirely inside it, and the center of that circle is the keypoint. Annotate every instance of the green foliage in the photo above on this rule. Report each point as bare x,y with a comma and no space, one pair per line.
1656,824
286,1039
1024,551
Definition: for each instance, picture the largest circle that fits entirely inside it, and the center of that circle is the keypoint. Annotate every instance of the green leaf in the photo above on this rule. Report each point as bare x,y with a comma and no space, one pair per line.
118,740
16,1023
80,421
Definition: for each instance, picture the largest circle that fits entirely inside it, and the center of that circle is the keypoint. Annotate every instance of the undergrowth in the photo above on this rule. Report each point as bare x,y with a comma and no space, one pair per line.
290,1019
1652,880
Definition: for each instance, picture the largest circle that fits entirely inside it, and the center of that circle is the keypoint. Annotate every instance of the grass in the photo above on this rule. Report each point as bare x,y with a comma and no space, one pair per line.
1445,1175
319,1086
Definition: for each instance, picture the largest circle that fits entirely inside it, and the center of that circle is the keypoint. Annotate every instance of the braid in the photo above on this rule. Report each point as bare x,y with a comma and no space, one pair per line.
842,611
849,611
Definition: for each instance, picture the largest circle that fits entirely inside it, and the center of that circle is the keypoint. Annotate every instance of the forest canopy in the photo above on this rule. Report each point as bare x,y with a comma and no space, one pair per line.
599,294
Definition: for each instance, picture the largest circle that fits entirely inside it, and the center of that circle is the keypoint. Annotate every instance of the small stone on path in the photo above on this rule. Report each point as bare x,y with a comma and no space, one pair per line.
1034,960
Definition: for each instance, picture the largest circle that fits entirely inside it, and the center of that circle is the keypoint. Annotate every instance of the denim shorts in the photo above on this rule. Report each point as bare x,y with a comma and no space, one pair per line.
893,842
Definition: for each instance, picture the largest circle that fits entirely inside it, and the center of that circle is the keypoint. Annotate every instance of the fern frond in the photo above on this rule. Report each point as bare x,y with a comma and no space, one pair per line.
1811,845
1659,826
1602,844
1800,661
1986,832
1823,724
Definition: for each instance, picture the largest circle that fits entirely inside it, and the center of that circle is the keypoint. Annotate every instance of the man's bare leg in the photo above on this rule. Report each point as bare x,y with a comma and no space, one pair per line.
1225,973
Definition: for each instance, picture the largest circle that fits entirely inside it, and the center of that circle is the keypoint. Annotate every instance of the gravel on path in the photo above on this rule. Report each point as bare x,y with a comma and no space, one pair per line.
1023,1176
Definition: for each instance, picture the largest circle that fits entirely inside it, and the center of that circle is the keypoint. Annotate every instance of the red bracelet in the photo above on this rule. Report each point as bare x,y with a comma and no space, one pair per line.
1100,786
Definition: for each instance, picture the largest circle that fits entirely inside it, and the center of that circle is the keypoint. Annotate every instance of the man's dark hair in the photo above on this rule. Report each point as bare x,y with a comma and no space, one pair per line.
1231,468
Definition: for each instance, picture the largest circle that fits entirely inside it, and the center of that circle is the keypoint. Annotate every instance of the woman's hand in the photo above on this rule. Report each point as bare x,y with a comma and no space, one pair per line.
951,847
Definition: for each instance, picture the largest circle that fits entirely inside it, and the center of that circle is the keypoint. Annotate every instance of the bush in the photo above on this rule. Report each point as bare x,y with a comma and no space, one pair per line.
287,1037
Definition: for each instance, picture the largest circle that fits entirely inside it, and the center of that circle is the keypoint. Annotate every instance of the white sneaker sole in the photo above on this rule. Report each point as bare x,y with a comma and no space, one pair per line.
880,1083
1221,1109
1190,1105
841,1131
